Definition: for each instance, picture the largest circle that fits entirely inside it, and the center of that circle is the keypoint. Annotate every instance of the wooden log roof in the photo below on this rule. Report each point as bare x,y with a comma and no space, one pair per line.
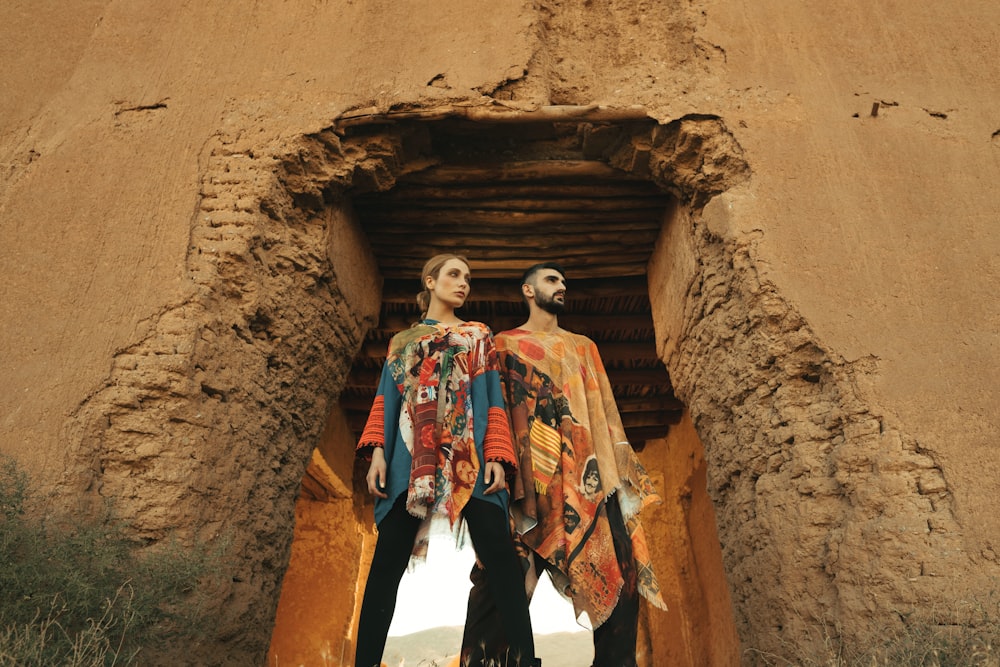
509,194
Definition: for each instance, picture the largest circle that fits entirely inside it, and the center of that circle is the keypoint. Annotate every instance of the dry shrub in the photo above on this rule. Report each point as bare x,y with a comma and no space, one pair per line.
80,592
967,635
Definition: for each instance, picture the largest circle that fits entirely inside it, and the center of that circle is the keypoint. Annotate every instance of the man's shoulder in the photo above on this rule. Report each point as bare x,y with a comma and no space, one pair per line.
577,339
565,333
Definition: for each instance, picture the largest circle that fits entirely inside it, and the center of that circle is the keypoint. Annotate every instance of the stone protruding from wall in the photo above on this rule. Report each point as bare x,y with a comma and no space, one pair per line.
694,157
835,525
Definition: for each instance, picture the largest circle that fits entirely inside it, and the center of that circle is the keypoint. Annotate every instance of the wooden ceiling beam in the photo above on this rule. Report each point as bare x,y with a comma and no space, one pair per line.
641,350
644,377
404,191
526,170
597,267
580,323
605,249
456,219
631,246
500,232
511,203
498,114
512,270
506,291
650,404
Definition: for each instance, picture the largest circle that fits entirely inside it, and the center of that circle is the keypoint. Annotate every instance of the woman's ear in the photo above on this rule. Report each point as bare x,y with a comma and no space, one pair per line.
429,282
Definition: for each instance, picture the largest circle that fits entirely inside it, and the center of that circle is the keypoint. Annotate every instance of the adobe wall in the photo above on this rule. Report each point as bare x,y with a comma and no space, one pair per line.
829,321
861,248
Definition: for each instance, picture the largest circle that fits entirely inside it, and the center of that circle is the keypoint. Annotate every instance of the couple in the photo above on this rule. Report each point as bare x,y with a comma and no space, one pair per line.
567,480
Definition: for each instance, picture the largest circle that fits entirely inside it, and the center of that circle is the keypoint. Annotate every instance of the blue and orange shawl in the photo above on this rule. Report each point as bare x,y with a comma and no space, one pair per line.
573,456
439,412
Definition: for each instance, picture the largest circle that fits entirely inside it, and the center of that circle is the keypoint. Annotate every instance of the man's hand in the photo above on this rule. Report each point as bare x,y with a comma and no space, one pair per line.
494,476
376,474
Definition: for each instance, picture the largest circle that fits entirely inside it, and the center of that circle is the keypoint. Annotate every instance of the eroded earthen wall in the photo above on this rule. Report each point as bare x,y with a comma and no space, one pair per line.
830,323
836,524
203,428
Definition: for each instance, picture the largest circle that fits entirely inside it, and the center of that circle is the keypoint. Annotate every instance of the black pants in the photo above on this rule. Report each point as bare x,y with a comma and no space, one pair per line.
614,640
488,528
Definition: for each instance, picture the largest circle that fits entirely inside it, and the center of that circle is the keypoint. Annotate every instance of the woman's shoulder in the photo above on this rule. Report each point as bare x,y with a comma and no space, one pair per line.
403,338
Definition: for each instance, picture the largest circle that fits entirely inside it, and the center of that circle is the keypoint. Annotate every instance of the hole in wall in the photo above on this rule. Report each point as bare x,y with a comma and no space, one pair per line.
592,194
507,196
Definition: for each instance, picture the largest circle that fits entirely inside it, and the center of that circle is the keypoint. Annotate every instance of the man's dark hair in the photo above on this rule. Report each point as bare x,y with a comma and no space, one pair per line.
532,270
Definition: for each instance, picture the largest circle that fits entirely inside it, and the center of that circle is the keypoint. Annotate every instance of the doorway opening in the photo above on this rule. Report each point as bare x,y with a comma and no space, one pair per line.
589,188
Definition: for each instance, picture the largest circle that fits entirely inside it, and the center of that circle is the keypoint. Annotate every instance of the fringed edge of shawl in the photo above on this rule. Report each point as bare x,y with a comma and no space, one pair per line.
633,497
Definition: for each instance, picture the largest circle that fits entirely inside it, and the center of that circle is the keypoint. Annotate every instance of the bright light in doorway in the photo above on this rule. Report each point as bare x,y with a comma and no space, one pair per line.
444,579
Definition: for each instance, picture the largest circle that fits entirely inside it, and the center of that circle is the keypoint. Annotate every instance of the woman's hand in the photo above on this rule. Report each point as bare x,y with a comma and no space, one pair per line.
376,474
494,476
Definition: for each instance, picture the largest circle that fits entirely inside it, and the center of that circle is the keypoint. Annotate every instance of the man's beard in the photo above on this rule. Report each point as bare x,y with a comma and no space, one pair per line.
549,304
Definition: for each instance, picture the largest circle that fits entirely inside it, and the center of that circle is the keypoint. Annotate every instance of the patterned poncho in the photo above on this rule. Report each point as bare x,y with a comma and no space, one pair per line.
439,413
573,456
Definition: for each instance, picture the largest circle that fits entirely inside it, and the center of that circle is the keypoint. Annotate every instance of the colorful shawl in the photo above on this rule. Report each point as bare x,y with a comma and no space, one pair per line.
439,413
573,456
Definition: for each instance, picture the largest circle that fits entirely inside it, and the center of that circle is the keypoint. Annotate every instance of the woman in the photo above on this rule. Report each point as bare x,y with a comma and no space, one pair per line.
439,409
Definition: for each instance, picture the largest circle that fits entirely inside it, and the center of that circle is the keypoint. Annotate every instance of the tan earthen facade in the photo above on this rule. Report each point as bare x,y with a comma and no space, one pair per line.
186,285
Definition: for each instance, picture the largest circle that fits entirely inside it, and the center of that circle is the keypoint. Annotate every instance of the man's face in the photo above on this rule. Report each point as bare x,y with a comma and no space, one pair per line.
550,291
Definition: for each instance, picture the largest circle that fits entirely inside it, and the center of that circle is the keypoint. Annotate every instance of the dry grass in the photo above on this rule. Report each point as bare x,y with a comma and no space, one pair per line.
966,636
78,592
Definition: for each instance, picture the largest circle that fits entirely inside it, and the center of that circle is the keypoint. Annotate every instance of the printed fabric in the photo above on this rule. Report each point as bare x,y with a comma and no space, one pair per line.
439,413
573,457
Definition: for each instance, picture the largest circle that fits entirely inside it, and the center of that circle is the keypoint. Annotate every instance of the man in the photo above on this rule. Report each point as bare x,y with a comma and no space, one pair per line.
579,486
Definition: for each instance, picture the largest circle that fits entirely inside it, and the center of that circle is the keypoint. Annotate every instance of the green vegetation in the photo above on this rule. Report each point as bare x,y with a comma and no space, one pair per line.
80,593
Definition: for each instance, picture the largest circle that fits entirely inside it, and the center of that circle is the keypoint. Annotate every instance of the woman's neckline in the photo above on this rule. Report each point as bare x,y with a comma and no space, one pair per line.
456,323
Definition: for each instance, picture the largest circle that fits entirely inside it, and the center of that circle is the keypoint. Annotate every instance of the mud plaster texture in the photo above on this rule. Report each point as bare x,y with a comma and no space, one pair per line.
181,310
826,511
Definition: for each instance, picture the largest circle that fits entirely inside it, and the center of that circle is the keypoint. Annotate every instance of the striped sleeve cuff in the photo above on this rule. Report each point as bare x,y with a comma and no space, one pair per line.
374,433
498,445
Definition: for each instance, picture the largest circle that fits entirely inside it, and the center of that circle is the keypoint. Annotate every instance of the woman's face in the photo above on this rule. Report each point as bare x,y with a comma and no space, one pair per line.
452,285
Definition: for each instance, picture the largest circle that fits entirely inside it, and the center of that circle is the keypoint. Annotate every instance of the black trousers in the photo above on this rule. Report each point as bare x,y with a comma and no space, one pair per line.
614,640
504,587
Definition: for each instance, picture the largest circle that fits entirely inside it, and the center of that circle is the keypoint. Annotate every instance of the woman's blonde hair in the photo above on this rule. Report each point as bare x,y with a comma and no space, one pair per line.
432,268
